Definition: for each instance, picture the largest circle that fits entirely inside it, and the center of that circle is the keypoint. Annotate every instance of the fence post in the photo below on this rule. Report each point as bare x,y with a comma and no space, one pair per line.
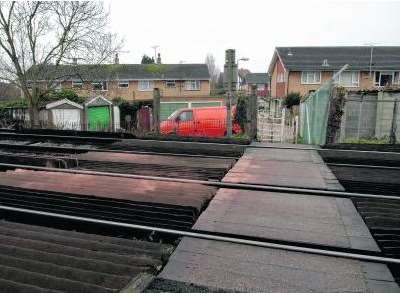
393,128
253,112
156,110
359,118
342,134
296,128
283,125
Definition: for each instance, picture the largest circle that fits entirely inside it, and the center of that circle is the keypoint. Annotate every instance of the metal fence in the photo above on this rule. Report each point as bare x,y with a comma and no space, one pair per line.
371,118
314,112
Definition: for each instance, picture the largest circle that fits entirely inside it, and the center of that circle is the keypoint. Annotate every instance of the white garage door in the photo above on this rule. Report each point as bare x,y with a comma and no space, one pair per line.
67,118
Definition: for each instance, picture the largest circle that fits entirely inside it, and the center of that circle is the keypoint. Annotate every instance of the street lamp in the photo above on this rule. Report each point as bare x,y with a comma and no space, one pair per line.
245,59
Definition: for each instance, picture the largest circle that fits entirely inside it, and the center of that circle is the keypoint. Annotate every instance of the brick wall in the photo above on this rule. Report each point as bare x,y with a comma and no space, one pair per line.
278,89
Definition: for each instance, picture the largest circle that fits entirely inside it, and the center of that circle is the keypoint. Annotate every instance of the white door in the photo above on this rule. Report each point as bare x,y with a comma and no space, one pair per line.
67,118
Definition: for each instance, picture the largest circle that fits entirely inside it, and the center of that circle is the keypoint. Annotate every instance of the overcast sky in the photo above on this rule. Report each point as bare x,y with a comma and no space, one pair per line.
188,30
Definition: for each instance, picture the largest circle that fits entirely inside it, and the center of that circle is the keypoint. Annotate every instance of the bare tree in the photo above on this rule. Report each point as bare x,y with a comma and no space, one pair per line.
212,69
38,37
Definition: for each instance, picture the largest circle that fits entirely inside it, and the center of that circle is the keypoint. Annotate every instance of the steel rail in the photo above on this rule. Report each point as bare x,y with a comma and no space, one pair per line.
318,149
241,186
204,143
202,235
59,136
115,139
49,148
364,166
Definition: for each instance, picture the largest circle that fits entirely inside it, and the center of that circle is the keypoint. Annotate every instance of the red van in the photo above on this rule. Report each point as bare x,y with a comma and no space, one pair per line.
205,122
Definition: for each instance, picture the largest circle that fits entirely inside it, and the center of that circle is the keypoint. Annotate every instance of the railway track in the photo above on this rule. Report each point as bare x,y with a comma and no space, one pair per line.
232,238
370,172
137,145
377,200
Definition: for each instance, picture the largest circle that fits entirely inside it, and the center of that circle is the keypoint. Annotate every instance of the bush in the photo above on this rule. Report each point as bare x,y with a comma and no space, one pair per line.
63,94
292,99
241,112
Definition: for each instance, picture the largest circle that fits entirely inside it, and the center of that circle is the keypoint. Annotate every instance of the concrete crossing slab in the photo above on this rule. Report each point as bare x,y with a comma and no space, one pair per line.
283,167
254,269
292,217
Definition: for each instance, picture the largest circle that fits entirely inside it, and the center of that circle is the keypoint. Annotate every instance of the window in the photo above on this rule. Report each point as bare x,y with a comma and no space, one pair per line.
280,77
170,83
260,87
397,78
192,85
311,77
386,78
348,79
77,84
57,86
99,85
185,116
145,85
123,84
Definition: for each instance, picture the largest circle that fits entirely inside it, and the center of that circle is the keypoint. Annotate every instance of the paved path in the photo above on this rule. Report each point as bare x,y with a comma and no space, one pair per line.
293,217
283,167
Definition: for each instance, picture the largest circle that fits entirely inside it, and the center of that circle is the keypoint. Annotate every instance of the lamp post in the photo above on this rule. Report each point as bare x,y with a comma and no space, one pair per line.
238,68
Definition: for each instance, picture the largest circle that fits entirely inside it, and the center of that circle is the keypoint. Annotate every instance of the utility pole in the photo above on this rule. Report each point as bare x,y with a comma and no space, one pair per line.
230,80
155,51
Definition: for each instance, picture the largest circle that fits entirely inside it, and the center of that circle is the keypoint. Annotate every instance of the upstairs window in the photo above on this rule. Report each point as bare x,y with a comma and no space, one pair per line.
145,85
170,84
123,84
99,85
57,86
192,85
348,79
311,77
387,78
280,77
397,78
77,84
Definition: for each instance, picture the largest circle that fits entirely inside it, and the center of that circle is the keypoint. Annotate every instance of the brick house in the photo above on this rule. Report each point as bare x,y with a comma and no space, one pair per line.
260,80
181,85
305,69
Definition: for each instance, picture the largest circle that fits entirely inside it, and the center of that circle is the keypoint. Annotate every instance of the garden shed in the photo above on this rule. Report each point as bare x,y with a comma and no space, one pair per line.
65,114
100,114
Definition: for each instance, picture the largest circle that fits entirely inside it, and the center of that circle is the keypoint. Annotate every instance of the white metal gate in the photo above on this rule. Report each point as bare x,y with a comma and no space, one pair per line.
276,129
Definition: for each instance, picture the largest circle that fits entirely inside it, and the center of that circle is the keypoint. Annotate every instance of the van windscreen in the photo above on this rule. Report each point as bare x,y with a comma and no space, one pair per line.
173,115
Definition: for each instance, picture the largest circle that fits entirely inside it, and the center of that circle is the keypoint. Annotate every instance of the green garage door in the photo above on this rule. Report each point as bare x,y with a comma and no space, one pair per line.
206,104
167,109
98,118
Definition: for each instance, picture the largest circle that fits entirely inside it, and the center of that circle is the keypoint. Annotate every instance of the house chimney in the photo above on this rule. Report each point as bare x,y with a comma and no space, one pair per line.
75,61
159,58
116,59
325,63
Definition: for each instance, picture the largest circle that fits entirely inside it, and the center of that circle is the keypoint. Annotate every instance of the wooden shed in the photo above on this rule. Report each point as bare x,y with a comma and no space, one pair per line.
100,114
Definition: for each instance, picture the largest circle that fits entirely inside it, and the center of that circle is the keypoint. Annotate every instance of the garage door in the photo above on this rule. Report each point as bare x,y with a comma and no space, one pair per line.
205,104
98,118
67,118
167,109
